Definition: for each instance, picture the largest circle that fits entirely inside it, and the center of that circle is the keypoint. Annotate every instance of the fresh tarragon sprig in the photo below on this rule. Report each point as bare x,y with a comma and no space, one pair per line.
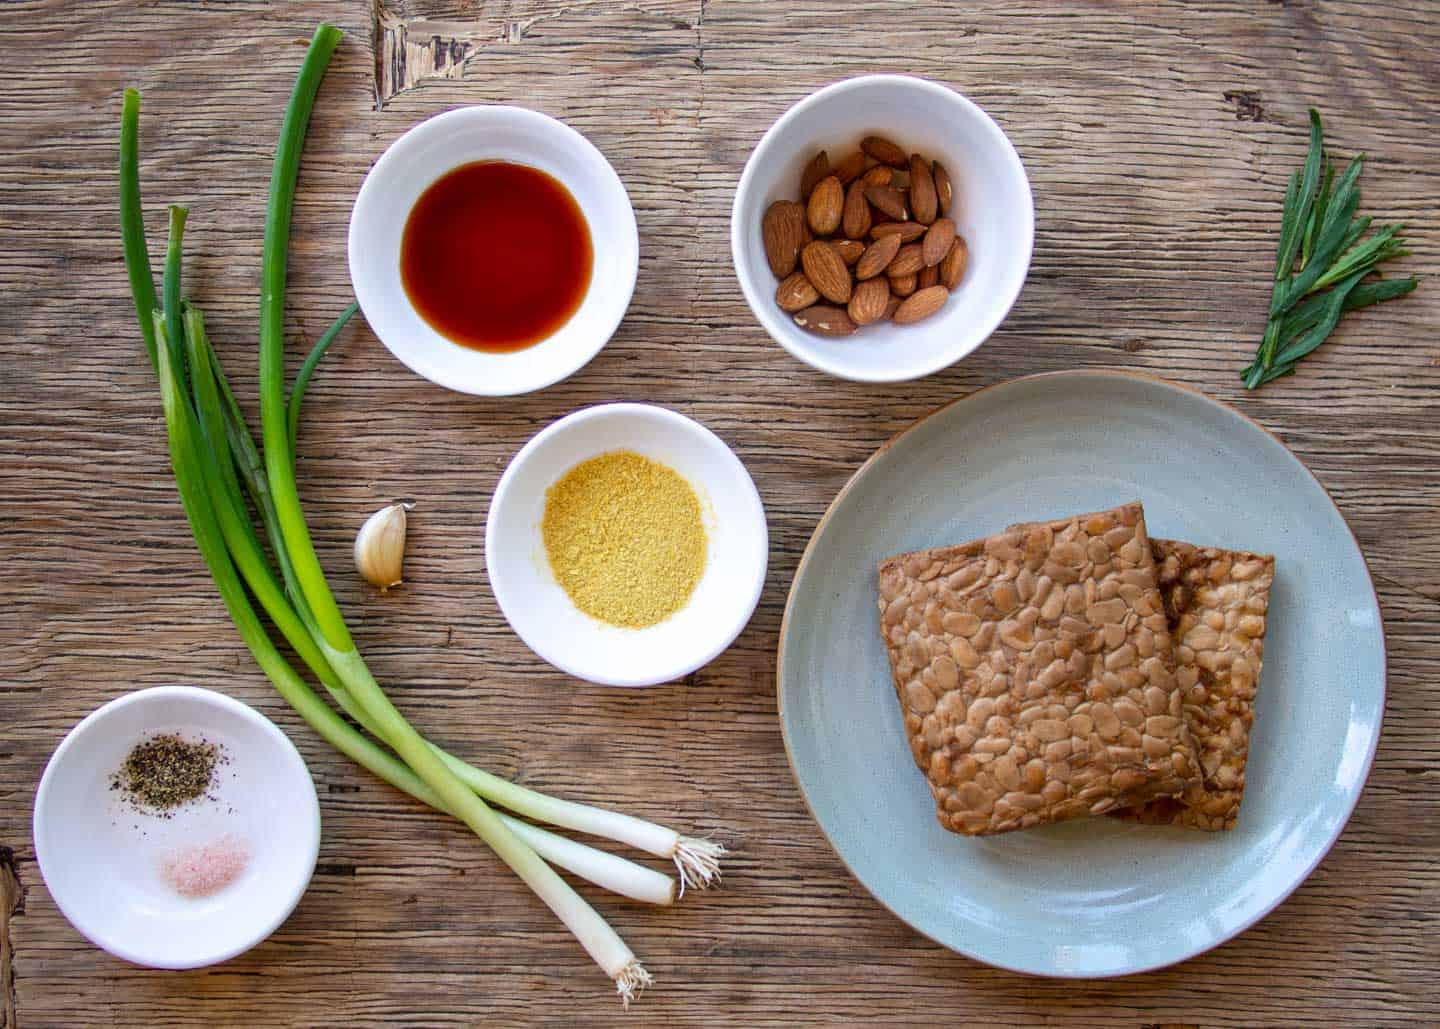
1322,262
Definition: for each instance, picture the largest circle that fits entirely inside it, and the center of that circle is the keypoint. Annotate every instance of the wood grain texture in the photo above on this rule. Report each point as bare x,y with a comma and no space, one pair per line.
1158,137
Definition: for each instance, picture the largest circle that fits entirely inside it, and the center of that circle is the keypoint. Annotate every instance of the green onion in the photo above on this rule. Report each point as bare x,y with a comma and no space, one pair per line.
217,464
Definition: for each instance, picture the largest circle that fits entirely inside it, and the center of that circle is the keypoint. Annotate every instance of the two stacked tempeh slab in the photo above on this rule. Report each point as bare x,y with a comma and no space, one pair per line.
1071,668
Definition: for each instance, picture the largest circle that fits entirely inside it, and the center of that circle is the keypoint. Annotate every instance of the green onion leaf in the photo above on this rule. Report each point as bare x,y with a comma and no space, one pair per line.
307,370
132,222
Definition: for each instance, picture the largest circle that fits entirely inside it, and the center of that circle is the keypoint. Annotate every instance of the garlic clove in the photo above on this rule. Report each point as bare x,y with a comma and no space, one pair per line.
380,546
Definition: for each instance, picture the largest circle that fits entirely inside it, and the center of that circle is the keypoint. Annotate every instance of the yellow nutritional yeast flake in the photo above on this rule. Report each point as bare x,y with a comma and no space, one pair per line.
624,538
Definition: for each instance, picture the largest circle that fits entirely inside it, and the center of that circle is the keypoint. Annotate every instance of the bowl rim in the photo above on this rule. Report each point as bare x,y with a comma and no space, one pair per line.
368,197
676,421
740,254
231,706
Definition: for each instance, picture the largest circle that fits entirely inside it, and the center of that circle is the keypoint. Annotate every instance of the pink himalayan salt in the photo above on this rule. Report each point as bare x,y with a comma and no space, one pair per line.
206,868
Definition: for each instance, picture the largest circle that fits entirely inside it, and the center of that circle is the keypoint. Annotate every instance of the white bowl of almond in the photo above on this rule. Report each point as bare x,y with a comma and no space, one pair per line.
882,229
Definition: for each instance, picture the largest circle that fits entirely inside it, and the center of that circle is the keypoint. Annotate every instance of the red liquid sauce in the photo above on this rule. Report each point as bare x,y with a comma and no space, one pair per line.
496,256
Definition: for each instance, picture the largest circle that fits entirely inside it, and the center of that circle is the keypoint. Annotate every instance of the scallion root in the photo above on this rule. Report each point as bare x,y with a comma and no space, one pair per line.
631,982
698,862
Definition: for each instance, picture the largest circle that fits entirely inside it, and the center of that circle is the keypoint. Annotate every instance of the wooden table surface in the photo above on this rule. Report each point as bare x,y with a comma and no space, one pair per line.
1158,138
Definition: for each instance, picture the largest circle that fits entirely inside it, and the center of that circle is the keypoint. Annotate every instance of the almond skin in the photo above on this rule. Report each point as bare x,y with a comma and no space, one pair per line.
850,167
826,205
952,268
817,169
903,286
824,320
922,190
921,304
826,271
795,293
908,232
891,307
867,302
927,277
877,256
944,191
938,239
907,262
784,232
884,151
889,200
879,175
850,250
856,217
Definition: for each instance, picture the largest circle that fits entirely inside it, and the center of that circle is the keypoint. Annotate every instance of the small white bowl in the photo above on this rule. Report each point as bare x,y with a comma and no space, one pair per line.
491,133
538,608
993,210
101,859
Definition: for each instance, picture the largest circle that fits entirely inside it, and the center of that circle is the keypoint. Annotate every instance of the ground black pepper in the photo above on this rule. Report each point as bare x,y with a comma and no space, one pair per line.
163,772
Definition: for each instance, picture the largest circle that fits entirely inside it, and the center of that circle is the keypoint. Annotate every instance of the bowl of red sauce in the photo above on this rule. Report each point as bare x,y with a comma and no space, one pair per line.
493,250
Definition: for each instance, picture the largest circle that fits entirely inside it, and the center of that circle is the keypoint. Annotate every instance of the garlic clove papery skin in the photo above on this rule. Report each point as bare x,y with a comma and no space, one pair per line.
380,547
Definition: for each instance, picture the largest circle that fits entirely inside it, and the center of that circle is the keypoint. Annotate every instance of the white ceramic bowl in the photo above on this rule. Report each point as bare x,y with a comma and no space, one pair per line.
491,133
993,210
101,859
539,610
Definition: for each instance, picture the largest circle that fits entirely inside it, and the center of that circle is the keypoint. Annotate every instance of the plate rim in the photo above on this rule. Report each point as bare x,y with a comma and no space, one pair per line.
880,452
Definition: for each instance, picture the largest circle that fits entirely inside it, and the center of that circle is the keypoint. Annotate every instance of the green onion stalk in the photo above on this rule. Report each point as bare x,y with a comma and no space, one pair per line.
227,482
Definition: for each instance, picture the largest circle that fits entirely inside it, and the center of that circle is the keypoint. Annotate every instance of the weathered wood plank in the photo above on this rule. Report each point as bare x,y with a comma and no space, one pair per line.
1158,137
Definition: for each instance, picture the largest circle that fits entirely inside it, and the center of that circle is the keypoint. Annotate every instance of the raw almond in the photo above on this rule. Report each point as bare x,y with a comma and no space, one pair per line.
849,169
849,250
889,200
908,232
952,269
824,320
856,218
784,232
877,256
884,151
879,175
817,169
944,192
826,270
903,286
921,304
927,277
891,306
922,190
937,241
907,261
795,293
826,205
867,302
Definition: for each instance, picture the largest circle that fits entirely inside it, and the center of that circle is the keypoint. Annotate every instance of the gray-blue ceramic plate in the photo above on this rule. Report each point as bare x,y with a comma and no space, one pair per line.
1096,897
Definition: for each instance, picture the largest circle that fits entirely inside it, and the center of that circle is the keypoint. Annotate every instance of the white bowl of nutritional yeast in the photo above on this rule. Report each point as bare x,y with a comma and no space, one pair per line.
542,613
142,883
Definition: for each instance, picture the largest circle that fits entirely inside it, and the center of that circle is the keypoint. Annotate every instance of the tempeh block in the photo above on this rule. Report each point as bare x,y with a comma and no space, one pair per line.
1034,673
1216,603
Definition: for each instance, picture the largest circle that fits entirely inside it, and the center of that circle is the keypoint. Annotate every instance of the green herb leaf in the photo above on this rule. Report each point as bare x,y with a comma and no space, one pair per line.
1364,256
1317,214
1331,239
1329,318
1297,217
1319,227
